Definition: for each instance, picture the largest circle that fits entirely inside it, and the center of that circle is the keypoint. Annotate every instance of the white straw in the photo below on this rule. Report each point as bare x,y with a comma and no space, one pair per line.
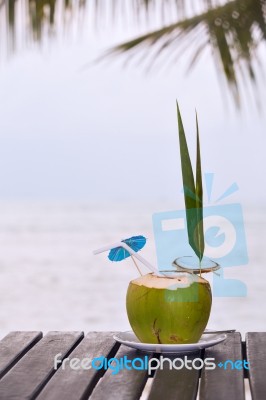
132,252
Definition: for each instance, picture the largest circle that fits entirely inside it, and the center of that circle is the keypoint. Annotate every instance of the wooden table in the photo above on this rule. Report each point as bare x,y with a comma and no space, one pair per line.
27,370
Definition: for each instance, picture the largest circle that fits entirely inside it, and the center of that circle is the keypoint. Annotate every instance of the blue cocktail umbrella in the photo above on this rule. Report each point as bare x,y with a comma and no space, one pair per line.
136,243
132,252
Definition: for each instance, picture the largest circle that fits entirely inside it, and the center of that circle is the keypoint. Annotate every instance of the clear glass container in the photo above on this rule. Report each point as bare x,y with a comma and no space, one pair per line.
194,266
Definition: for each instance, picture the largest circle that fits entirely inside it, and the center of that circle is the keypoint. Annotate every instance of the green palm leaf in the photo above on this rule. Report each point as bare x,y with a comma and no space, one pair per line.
192,192
199,199
233,31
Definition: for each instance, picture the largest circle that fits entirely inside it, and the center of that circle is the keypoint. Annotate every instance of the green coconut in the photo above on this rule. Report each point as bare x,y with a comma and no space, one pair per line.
169,310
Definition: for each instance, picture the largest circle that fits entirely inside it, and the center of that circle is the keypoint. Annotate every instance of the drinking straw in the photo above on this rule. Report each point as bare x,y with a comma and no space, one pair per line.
131,252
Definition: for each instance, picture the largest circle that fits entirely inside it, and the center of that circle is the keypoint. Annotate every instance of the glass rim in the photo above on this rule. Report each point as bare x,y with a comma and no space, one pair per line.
177,263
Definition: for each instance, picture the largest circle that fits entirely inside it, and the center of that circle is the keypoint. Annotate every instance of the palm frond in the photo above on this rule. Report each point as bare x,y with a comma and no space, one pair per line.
193,193
233,30
229,31
41,13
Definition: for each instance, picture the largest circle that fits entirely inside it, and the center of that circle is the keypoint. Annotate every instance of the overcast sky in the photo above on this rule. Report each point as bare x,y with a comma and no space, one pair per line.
110,133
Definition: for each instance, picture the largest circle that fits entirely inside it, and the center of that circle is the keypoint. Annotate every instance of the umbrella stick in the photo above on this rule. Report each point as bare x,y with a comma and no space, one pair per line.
136,265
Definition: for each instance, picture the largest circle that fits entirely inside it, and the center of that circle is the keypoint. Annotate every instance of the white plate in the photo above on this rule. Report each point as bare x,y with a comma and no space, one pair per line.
129,339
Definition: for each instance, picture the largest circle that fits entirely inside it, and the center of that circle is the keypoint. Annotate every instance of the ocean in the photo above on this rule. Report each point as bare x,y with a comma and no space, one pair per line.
50,280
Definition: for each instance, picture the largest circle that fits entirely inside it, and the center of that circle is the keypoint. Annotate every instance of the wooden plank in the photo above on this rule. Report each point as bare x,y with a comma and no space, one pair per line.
171,384
256,357
13,346
69,384
26,379
223,382
126,384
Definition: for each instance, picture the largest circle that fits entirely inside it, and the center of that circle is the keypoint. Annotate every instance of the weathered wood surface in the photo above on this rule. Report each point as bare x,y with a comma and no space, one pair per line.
30,374
28,371
222,383
13,346
256,357
69,384
127,384
173,384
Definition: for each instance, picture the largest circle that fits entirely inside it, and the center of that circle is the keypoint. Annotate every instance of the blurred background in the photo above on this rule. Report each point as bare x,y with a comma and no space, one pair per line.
89,147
